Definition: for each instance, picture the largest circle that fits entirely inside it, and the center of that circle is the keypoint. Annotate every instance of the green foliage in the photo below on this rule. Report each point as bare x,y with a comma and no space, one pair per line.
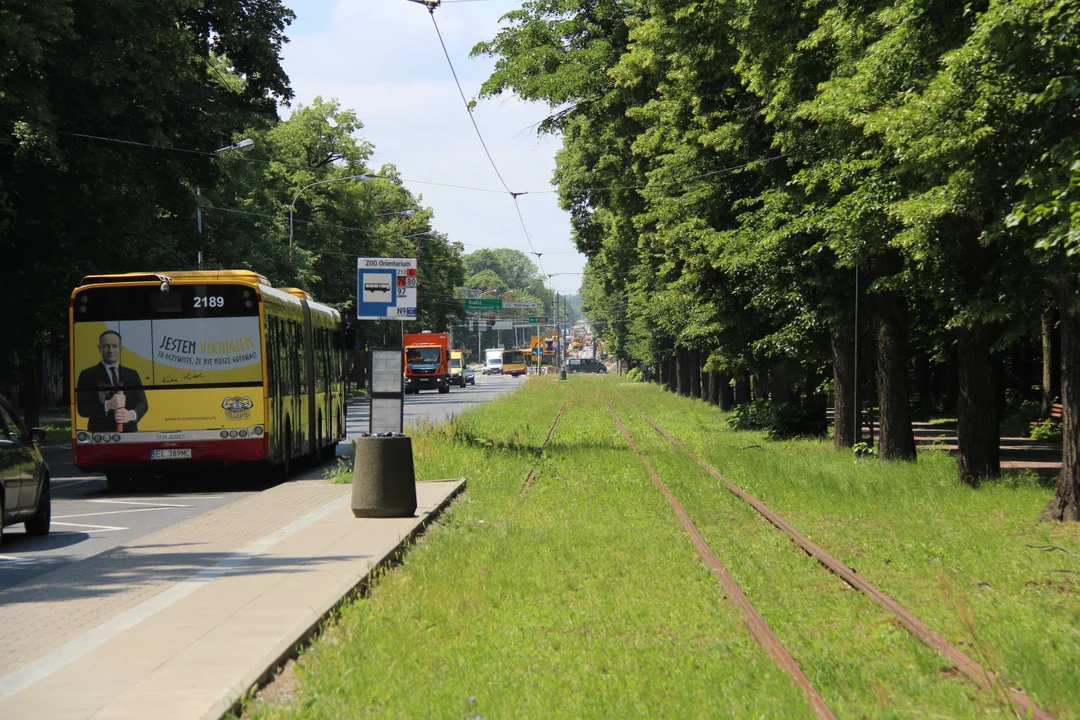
635,375
778,420
172,81
864,450
1048,430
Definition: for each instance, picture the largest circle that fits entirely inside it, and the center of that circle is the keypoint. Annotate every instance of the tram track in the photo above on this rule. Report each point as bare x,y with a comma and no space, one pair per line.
983,678
756,624
551,433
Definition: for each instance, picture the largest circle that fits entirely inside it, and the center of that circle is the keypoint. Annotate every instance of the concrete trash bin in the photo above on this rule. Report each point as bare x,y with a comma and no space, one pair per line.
384,483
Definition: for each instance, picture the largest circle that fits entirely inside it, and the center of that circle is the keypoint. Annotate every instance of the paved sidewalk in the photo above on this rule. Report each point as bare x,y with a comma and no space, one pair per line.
180,623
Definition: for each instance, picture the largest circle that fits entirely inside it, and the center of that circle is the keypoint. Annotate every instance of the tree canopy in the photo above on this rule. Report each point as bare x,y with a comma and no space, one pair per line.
758,184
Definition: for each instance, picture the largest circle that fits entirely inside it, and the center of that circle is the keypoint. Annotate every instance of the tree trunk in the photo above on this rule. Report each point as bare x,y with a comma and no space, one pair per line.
758,388
780,382
843,354
706,376
672,373
1048,389
742,390
726,392
1066,502
682,363
662,373
657,369
694,358
714,387
896,440
978,431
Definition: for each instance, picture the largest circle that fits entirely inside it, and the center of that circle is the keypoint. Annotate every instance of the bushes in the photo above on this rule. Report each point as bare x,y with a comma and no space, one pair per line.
1049,430
778,420
636,375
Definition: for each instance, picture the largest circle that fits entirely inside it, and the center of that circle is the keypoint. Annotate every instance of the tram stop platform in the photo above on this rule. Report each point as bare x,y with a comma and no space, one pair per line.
199,612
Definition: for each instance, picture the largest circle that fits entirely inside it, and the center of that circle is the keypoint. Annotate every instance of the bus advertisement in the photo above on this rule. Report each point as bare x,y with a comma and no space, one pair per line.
201,367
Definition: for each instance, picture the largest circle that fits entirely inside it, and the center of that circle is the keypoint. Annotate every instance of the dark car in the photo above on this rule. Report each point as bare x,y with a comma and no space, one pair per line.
24,476
469,375
585,365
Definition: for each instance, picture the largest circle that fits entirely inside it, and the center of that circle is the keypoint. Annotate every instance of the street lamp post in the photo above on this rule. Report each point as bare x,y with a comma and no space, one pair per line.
244,145
292,205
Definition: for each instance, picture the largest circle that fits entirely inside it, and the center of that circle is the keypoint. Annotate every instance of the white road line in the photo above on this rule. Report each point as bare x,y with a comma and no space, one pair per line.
69,482
97,528
18,680
111,512
134,502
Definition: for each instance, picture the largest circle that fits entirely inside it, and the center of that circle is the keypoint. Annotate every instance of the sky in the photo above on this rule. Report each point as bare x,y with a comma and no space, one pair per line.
382,59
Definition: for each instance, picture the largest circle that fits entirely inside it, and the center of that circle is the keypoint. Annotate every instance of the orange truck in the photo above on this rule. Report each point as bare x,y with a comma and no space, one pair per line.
427,362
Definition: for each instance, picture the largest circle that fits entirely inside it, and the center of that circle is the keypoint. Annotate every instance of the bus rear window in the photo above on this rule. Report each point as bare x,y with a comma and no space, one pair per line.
146,302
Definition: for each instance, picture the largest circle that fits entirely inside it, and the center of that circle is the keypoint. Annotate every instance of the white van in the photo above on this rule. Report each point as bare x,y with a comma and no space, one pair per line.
493,362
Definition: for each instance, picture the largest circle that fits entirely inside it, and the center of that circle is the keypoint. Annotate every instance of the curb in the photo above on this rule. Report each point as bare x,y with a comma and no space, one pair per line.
262,673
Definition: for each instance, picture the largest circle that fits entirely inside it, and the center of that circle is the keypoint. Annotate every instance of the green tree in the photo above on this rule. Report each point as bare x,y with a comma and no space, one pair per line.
140,71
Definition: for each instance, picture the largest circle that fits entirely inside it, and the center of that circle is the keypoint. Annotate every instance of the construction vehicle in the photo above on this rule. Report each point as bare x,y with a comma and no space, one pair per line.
427,362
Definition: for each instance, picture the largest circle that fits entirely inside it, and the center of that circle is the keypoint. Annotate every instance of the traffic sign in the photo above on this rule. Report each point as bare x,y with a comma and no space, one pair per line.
479,304
386,288
536,320
514,305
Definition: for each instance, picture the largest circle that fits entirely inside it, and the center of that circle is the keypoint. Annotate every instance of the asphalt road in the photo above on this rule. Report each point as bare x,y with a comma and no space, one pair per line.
88,519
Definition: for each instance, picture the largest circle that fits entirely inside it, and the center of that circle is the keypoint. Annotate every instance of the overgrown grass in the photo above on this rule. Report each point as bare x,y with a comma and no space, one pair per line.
973,564
585,598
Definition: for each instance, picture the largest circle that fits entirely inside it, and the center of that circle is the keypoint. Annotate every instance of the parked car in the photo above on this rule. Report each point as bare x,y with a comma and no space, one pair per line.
24,475
585,365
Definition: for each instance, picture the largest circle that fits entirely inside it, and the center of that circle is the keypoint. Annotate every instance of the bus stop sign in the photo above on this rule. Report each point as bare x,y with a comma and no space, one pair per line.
386,288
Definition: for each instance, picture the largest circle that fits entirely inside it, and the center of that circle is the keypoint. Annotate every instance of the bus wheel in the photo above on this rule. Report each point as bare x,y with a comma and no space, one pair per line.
118,482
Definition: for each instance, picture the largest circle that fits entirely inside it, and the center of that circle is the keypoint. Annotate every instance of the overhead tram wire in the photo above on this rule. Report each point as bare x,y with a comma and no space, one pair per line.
431,5
299,166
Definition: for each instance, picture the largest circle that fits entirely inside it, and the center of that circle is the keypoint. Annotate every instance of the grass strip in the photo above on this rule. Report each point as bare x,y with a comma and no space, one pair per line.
965,561
585,599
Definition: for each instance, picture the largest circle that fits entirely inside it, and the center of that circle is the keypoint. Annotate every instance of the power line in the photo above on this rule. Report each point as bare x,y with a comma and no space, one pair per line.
431,5
298,166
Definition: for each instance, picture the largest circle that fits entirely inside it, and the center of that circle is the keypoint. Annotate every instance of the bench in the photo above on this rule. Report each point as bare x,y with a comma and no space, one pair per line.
1056,410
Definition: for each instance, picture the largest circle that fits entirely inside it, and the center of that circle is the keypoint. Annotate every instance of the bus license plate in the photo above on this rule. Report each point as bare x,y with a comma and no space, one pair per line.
171,454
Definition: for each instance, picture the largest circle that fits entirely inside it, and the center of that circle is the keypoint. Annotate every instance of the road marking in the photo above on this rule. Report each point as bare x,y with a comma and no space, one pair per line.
69,482
111,512
135,502
97,528
18,680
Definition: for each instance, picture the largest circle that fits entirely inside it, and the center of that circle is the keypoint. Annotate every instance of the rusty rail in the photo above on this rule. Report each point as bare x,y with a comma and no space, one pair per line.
532,471
754,622
983,678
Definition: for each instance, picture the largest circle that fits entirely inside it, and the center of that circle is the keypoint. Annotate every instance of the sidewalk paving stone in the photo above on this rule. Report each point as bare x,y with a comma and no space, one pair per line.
232,592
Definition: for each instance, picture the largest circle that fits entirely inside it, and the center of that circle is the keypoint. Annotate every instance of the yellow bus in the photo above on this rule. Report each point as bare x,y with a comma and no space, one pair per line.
178,370
513,362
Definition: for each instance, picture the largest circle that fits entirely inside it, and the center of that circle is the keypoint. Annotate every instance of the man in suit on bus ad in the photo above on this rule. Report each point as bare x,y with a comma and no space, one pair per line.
110,396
